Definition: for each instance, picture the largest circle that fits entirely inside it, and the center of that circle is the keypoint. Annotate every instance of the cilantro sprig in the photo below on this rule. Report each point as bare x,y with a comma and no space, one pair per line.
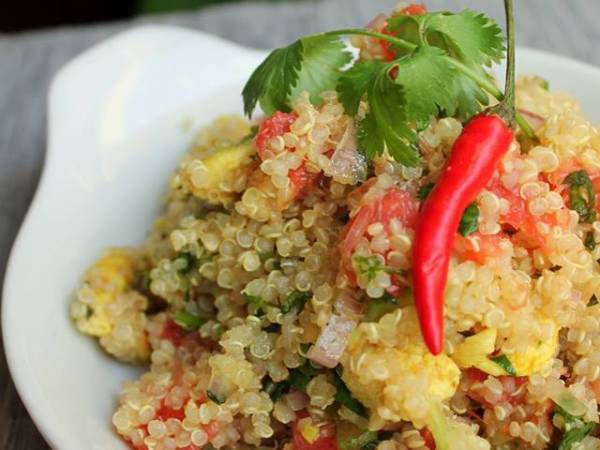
439,69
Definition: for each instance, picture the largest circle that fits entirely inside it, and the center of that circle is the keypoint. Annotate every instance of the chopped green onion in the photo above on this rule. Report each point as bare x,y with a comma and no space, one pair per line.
275,390
188,320
190,261
575,435
504,362
345,397
371,265
468,222
361,442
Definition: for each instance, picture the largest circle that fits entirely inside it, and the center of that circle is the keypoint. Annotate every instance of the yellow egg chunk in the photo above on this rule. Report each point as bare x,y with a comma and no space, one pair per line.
107,308
389,369
219,173
475,351
537,357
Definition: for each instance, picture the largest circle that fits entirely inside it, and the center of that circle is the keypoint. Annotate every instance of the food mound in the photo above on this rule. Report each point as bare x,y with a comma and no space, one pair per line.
273,301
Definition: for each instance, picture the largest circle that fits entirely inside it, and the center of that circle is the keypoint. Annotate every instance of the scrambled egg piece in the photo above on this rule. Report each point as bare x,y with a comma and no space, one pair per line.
537,357
475,351
215,176
106,307
389,369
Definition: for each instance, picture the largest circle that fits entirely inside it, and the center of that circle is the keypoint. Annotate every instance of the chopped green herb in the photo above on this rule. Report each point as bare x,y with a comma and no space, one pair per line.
345,397
440,69
371,265
575,435
301,376
424,191
544,84
504,362
304,348
214,397
187,320
589,242
190,261
310,64
365,439
379,307
555,268
295,302
593,300
567,417
275,390
144,279
468,222
582,195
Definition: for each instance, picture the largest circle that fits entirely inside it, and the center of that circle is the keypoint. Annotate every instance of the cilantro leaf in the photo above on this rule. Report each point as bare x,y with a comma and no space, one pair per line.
468,221
582,195
424,77
371,265
469,98
386,125
322,58
295,301
353,84
271,83
472,37
310,64
424,191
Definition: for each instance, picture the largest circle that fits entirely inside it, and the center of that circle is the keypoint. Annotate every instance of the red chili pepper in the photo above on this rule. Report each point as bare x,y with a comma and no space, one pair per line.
474,157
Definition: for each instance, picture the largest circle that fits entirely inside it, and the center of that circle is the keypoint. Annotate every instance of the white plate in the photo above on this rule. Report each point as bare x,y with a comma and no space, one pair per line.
119,120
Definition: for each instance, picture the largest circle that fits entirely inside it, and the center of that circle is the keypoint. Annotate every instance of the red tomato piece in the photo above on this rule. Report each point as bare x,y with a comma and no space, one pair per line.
475,374
325,441
395,204
276,125
301,179
173,332
488,246
428,438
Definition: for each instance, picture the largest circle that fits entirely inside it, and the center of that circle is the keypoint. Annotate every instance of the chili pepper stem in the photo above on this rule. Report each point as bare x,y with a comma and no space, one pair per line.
506,108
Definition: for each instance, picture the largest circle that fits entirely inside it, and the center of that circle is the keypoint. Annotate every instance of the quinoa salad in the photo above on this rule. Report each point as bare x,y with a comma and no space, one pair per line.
320,278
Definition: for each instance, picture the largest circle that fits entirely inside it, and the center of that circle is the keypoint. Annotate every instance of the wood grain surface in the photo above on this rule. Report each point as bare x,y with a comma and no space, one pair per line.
28,62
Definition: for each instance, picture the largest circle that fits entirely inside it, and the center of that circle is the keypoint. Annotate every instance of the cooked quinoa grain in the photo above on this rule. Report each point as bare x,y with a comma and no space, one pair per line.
271,302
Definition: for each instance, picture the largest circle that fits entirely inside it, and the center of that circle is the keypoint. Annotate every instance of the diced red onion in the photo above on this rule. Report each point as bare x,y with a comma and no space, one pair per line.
332,341
348,165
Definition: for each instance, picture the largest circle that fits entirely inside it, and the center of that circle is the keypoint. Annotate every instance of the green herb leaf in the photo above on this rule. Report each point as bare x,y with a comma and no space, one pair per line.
361,441
379,307
275,390
472,37
345,397
504,362
589,242
187,320
468,222
593,300
386,126
301,376
582,195
575,435
567,417
371,266
190,261
295,302
310,64
353,84
424,76
271,83
322,58
424,191
214,397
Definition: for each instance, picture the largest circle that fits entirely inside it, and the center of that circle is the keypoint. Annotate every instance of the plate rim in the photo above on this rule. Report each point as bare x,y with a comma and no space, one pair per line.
54,436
